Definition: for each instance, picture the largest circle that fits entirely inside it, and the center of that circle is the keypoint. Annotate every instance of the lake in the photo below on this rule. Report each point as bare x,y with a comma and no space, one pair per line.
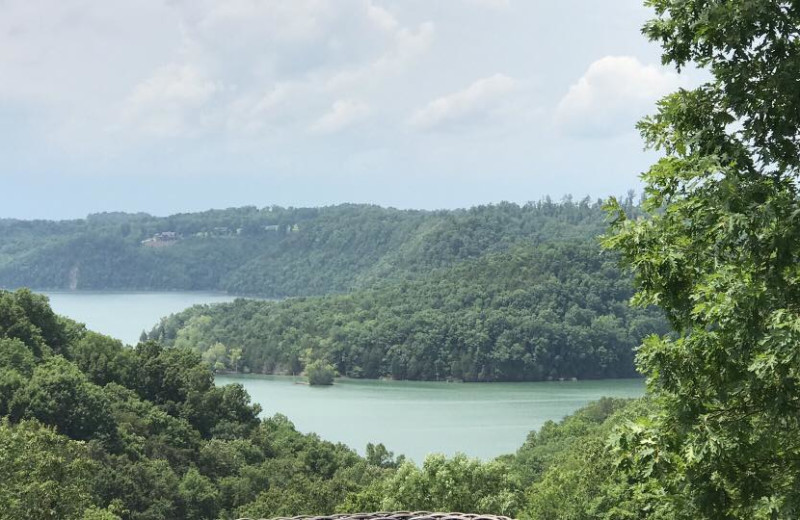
124,315
416,418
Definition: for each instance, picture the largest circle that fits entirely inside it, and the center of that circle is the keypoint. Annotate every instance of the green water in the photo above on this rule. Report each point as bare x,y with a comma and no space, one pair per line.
481,420
124,315
416,418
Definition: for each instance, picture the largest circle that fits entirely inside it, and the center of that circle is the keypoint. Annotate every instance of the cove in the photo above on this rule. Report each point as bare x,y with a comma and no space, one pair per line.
125,314
482,420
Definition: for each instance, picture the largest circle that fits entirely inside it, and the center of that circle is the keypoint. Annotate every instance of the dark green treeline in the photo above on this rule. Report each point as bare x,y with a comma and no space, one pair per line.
556,310
274,252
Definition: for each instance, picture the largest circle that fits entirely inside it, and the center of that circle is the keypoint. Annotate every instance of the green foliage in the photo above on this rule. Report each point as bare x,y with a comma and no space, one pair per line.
164,442
718,252
553,440
575,474
145,489
442,484
44,475
581,486
199,496
15,355
320,373
276,252
157,441
533,313
95,513
102,358
751,50
161,441
59,394
27,317
379,456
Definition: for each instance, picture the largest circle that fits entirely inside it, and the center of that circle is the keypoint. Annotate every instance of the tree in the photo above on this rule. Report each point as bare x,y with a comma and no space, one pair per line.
16,324
718,251
15,355
199,496
234,357
45,475
442,484
320,373
59,394
216,356
378,455
102,359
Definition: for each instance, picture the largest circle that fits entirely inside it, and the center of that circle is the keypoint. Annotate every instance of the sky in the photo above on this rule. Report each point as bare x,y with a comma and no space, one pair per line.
169,106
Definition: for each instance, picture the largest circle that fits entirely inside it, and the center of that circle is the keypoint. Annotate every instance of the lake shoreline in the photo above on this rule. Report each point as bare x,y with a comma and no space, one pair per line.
231,373
416,418
124,315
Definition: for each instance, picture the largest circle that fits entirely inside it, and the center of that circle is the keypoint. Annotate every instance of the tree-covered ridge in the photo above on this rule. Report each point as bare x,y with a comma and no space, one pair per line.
550,311
93,430
274,251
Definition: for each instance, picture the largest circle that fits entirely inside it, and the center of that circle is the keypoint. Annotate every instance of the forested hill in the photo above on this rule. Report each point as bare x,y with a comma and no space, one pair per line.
550,311
274,252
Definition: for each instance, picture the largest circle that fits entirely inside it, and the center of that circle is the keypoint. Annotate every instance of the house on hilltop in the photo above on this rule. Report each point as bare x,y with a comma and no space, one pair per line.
165,238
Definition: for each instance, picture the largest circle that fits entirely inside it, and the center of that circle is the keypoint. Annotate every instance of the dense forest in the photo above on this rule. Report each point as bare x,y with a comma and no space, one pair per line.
275,252
94,430
552,311
494,293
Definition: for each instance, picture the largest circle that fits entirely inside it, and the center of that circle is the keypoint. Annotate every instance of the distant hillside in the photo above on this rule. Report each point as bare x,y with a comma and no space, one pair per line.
274,252
551,311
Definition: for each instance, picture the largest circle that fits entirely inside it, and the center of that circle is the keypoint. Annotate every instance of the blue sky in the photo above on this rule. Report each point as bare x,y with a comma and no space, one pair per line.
167,106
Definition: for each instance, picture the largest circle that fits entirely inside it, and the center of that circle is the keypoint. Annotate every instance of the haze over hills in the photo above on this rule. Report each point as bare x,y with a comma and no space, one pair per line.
274,252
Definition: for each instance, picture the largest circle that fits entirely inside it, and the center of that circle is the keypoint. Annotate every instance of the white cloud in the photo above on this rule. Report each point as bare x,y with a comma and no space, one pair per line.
406,45
190,67
382,18
342,114
275,64
291,40
477,101
611,96
181,85
164,103
277,87
77,54
491,4
274,98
